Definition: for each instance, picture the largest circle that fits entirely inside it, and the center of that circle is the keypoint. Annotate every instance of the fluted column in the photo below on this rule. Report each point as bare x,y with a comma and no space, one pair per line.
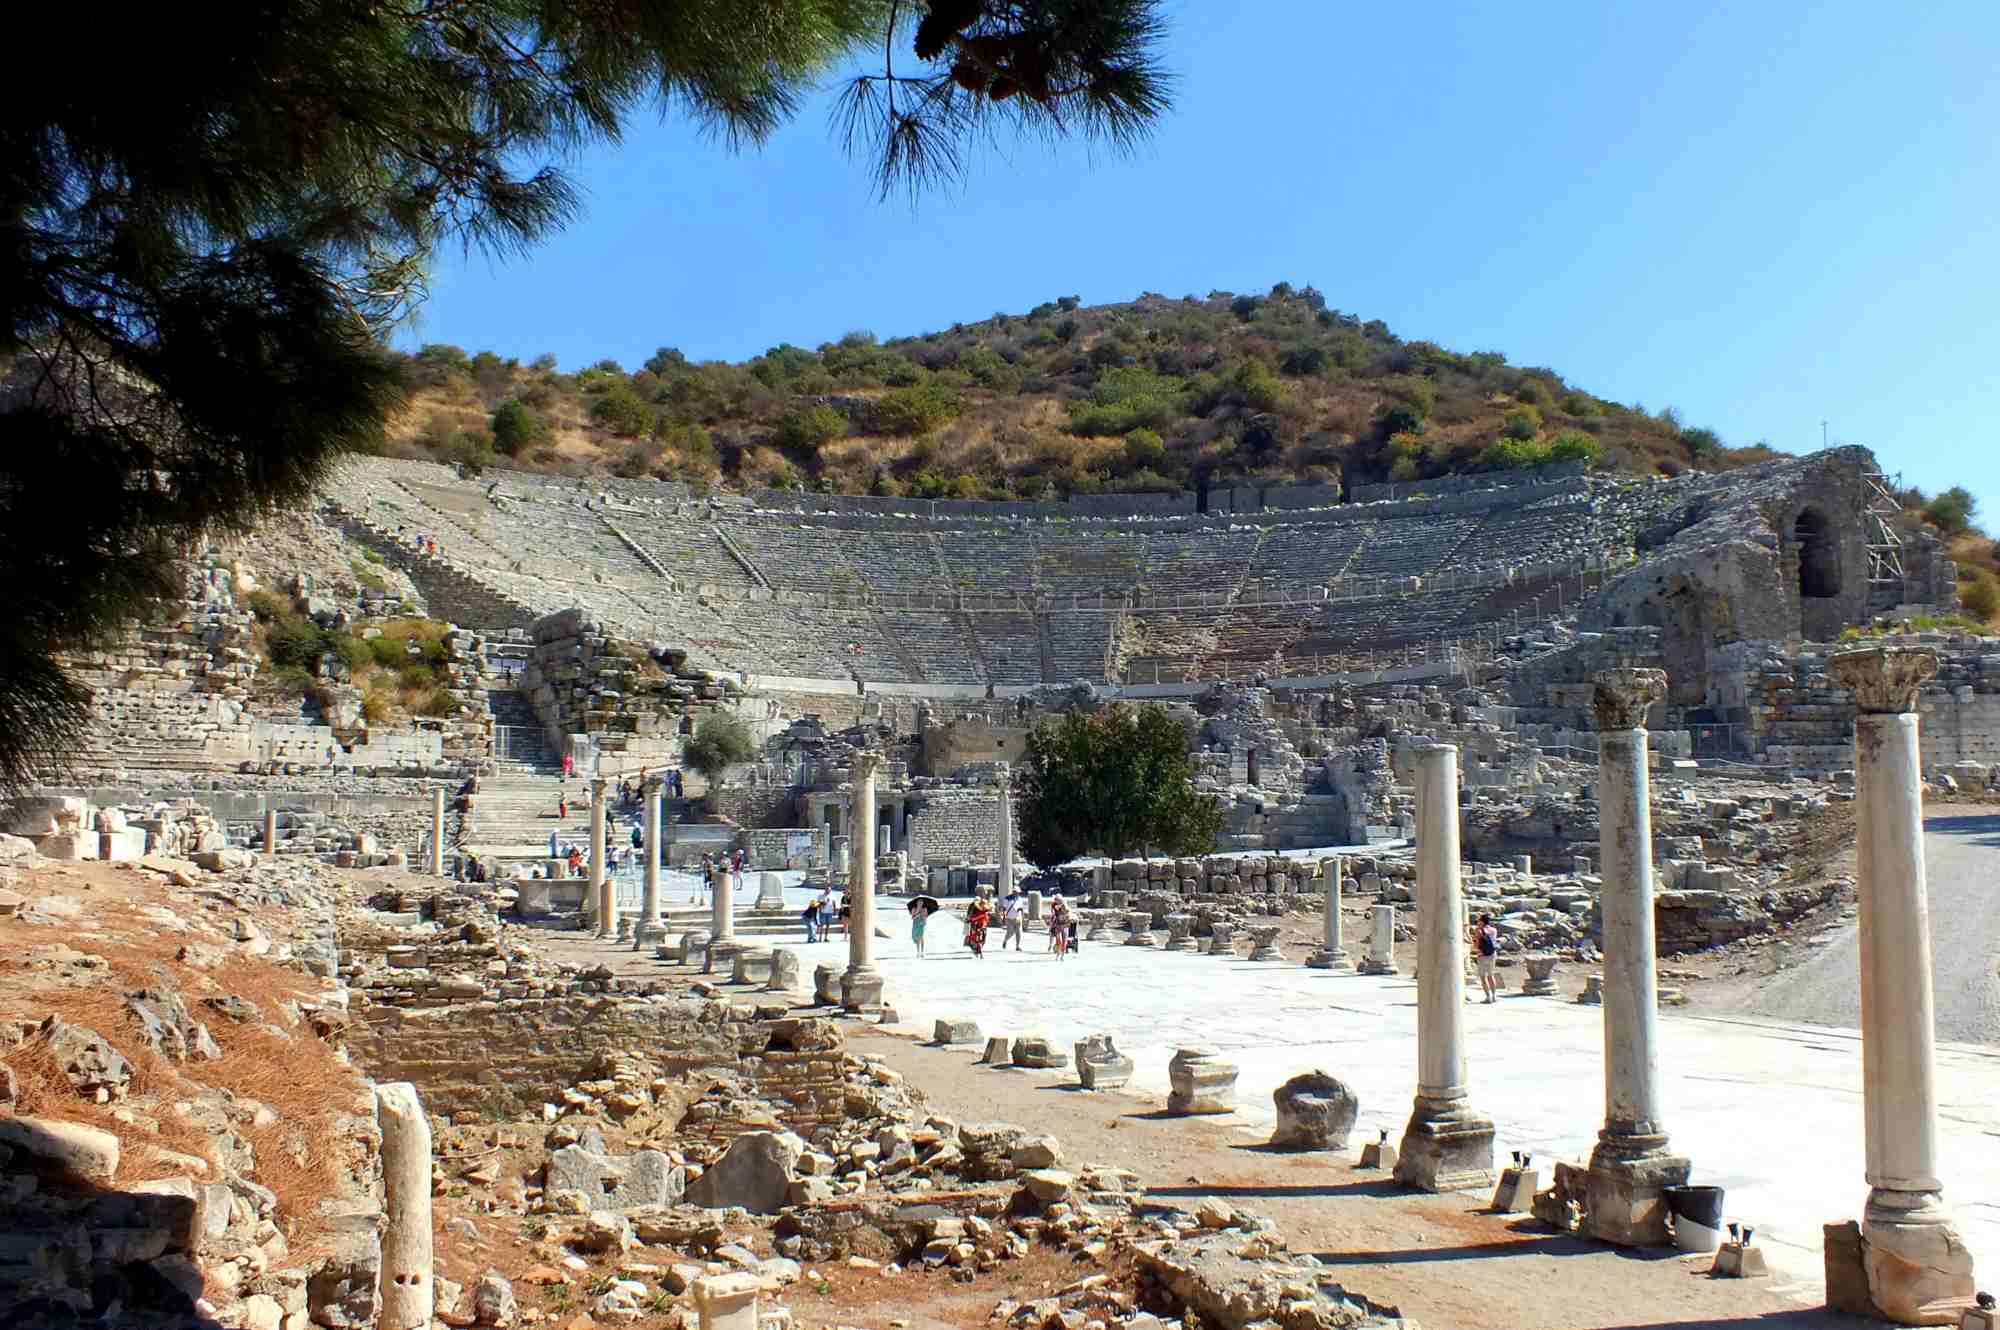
1919,1271
1631,1163
649,931
1448,1145
602,891
1333,951
861,986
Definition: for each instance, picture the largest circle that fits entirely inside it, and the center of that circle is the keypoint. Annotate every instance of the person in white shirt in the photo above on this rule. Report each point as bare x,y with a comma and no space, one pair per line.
1014,915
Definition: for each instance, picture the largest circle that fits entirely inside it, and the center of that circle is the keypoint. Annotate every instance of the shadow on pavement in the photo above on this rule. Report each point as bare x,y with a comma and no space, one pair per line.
1373,1188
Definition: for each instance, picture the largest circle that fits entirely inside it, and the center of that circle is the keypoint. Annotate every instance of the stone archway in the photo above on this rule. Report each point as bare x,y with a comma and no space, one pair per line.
1819,555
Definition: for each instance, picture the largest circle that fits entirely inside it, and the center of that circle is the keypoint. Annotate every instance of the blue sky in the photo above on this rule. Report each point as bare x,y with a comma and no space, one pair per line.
1767,216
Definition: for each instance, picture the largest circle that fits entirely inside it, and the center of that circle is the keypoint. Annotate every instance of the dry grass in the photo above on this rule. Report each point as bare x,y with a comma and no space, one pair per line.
292,1073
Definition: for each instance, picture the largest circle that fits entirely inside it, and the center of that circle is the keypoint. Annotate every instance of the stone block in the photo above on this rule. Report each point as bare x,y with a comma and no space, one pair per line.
999,1051
1516,1190
784,971
826,984
955,1031
1035,1051
66,1148
1742,1260
644,1179
1315,1112
1540,979
727,1302
1200,1082
753,1173
752,965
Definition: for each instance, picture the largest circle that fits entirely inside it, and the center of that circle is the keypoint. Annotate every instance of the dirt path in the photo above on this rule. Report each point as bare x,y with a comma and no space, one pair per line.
1432,1256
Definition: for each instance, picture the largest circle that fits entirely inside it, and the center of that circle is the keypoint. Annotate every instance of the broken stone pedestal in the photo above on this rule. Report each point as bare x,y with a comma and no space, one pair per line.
1593,991
1315,1112
1622,1201
953,1031
1857,1266
784,971
694,947
1099,1064
727,1302
1201,1082
999,1051
1141,924
1381,957
1264,944
826,984
722,954
751,966
1034,1050
1096,931
860,992
1541,980
1180,932
1221,940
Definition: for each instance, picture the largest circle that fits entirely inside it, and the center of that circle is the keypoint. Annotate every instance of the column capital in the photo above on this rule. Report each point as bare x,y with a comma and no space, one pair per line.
654,784
599,784
1622,697
865,765
1884,680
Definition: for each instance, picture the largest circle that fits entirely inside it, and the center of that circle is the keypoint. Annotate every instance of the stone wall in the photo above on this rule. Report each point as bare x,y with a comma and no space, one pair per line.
551,1043
955,825
584,680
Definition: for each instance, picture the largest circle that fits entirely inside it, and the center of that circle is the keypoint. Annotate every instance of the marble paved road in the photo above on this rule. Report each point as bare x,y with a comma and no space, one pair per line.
1962,870
1771,1110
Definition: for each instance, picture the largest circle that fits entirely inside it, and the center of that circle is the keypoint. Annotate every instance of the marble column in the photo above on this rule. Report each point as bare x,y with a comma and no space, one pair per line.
270,831
603,892
1919,1271
648,932
1332,953
1448,1145
1631,1164
408,1290
437,832
1006,830
861,986
722,906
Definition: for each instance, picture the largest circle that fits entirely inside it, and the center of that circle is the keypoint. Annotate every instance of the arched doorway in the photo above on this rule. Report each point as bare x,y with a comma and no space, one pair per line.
1819,556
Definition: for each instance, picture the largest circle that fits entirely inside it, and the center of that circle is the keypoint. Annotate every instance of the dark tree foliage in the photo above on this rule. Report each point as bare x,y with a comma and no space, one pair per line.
719,742
1115,782
204,243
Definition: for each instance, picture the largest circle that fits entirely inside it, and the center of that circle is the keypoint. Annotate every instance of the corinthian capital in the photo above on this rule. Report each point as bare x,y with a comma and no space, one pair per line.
1622,697
1884,680
865,765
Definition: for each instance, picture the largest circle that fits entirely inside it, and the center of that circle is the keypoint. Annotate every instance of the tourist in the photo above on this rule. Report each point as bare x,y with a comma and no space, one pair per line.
1014,918
562,806
846,914
920,914
638,837
575,862
811,916
976,920
674,781
1486,944
555,844
569,765
1058,927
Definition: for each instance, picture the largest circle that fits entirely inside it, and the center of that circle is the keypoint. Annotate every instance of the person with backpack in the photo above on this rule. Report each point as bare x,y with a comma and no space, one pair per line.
1486,946
811,917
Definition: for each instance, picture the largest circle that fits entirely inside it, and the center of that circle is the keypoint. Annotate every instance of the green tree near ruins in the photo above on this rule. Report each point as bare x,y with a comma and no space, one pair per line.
199,268
1115,782
720,741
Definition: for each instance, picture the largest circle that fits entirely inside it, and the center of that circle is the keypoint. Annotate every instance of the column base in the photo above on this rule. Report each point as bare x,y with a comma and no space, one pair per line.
1448,1146
1917,1267
646,936
1377,965
860,990
1330,958
1623,1191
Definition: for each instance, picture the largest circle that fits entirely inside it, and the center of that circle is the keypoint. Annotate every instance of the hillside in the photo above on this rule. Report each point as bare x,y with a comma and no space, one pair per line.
1154,394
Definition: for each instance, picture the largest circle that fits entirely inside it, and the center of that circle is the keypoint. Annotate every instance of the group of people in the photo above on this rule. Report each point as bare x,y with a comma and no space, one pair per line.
825,910
729,861
1013,917
632,793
